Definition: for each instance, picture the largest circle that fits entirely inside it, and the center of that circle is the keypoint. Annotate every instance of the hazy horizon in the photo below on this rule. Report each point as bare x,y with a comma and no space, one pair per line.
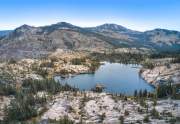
86,26
136,15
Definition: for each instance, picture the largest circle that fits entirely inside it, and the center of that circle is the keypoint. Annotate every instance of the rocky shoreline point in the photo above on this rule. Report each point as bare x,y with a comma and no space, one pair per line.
161,74
90,107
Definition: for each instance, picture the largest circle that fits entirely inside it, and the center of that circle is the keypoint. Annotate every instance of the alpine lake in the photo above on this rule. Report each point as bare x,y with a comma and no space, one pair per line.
115,77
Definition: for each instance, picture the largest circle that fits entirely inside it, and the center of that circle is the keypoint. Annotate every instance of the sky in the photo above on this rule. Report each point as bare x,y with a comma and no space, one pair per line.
138,15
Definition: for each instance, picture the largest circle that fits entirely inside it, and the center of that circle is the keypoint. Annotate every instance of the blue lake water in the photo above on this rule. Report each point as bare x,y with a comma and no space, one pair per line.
117,78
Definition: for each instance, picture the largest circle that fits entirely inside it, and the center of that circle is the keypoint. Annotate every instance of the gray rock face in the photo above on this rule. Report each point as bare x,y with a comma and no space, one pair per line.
28,41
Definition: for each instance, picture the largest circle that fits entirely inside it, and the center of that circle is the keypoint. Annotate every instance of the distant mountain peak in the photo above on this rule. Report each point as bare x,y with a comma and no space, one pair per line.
110,27
5,32
24,28
163,31
57,26
62,25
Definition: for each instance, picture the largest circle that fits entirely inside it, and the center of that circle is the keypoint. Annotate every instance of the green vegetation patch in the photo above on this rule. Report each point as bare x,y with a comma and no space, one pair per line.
26,102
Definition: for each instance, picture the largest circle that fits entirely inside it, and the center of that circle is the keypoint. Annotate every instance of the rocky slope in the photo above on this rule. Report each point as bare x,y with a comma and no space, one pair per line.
103,108
162,74
28,41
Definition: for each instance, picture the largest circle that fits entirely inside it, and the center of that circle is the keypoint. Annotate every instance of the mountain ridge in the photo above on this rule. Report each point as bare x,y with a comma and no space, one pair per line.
4,32
26,39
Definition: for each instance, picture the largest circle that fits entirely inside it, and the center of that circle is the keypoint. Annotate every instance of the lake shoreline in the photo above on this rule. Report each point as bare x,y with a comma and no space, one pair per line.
129,68
161,74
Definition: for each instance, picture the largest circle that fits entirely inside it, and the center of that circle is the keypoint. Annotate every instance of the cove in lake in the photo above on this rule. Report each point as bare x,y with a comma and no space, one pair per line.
116,77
